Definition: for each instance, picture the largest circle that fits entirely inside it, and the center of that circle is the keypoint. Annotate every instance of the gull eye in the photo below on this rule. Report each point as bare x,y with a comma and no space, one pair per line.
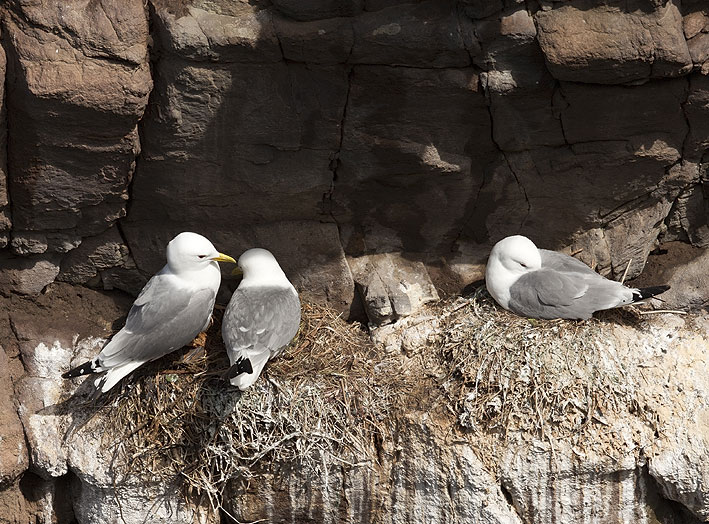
202,256
523,264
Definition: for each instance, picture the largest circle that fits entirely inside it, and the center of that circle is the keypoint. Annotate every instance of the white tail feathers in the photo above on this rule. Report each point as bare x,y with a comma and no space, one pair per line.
114,375
243,381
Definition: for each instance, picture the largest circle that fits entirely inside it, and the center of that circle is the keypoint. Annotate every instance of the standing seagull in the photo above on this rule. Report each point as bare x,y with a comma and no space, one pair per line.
538,283
262,317
174,307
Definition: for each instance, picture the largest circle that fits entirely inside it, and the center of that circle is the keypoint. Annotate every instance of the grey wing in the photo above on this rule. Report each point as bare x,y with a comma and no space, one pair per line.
549,294
561,262
162,319
259,319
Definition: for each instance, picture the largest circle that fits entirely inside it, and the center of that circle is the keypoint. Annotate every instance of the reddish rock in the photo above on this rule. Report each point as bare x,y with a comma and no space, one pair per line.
616,42
5,222
391,286
78,81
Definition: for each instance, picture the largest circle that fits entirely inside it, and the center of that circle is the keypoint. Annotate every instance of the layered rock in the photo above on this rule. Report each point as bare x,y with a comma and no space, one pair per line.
419,477
431,129
4,197
613,43
381,146
245,140
77,82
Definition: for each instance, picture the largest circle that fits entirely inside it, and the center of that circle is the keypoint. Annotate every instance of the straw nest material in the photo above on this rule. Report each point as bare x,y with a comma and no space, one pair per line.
544,377
333,392
329,392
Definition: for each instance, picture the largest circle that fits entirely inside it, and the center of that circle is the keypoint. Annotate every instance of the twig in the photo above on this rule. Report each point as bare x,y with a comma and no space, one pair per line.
653,311
625,273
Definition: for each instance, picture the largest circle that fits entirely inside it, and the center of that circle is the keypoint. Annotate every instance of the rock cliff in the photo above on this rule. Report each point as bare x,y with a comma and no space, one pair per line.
334,131
379,148
459,413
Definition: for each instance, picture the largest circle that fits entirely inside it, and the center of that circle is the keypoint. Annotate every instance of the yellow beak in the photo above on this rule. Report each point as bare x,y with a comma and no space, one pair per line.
224,258
236,271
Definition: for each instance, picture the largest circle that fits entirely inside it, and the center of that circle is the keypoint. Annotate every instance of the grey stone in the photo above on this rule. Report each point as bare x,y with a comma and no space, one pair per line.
14,458
28,242
243,35
425,34
5,222
26,275
683,268
391,286
95,254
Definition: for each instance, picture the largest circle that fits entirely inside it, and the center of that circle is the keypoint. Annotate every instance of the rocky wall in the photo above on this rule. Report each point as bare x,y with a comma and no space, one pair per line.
642,461
378,148
329,131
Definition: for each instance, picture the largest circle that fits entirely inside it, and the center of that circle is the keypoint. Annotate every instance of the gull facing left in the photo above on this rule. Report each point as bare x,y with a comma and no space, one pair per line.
261,319
172,309
539,283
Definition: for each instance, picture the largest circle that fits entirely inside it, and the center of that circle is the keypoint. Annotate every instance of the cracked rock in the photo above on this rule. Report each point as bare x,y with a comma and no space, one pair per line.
614,43
391,286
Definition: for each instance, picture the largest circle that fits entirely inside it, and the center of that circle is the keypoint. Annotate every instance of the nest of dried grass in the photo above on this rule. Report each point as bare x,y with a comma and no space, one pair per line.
333,393
330,392
544,377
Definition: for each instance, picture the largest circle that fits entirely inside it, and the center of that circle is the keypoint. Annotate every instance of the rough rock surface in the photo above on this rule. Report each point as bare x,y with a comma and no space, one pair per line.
629,467
78,80
4,200
347,136
13,450
391,287
427,479
615,42
430,129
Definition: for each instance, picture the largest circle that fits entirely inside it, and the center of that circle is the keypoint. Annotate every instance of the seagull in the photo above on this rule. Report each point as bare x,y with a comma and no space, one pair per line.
261,319
172,309
538,283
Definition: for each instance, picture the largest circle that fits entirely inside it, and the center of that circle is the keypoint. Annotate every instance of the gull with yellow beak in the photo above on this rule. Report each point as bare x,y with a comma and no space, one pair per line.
172,309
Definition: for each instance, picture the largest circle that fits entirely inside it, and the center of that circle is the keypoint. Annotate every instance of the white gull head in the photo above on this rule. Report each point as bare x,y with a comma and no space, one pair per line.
261,269
190,252
509,259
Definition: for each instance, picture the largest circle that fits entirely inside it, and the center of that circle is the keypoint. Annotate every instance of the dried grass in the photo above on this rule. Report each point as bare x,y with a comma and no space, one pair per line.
551,378
333,393
330,392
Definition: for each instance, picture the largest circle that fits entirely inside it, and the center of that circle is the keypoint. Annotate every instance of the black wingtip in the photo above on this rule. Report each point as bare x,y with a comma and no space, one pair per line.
87,368
648,292
243,365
